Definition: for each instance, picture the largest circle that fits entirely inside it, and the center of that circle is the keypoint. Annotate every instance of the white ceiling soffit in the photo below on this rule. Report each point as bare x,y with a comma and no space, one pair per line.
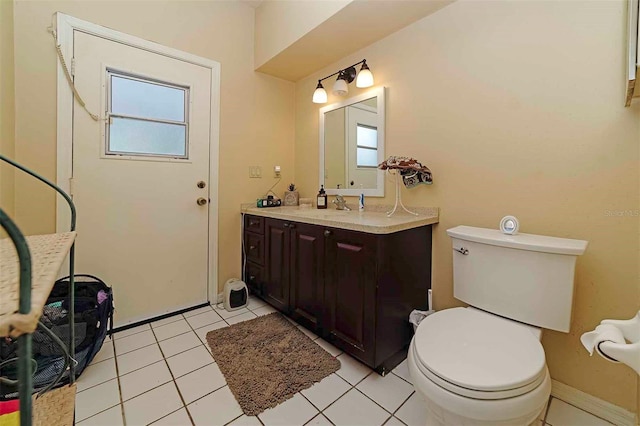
354,27
253,3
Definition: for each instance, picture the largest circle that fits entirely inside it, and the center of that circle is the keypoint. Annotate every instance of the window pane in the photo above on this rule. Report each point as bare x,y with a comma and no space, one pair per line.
146,99
367,136
130,136
367,157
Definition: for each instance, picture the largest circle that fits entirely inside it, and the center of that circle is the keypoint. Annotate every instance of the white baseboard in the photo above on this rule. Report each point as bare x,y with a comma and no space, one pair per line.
596,406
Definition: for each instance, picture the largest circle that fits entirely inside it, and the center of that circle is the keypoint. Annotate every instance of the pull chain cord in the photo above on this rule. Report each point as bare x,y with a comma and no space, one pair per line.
68,75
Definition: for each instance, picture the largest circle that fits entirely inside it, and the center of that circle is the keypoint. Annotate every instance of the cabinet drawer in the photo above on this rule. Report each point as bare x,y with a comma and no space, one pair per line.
254,274
254,224
254,247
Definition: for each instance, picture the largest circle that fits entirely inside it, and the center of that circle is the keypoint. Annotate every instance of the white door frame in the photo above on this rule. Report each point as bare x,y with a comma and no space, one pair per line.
66,25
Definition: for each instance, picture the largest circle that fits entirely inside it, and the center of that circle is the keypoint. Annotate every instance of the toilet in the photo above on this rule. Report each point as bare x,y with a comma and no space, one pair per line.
484,364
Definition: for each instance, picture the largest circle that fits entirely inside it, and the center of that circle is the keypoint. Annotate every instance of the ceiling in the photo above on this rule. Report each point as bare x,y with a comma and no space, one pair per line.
354,27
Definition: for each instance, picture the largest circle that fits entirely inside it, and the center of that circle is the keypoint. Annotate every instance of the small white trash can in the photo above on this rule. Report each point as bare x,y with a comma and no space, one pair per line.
416,317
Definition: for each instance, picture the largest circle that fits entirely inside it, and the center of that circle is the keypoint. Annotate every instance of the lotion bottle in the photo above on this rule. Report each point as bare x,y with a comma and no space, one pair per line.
322,198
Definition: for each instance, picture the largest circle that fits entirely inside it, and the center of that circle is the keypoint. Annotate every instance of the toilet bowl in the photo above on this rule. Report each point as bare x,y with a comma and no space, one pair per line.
474,368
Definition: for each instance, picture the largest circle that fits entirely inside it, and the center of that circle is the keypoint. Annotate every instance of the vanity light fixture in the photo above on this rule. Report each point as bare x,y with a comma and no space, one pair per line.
345,76
320,95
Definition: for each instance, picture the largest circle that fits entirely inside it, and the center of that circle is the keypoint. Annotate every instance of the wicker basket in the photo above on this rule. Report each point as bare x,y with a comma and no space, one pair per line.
55,408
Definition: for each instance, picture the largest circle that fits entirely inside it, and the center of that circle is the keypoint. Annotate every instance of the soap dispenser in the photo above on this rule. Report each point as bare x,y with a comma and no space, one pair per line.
322,198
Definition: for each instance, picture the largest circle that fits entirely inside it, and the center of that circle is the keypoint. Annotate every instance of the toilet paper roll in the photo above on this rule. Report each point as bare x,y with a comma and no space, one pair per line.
602,333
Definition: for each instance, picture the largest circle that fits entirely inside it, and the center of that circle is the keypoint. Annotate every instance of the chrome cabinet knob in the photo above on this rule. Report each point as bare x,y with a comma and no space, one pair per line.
201,201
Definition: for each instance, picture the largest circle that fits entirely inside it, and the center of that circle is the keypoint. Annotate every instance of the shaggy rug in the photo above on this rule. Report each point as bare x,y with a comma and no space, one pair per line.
267,360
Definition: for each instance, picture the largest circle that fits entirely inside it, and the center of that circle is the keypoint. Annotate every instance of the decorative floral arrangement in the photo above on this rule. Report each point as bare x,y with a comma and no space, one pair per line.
412,171
292,187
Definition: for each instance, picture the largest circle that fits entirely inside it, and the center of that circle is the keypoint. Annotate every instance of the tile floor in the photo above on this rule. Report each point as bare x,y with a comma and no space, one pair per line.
164,374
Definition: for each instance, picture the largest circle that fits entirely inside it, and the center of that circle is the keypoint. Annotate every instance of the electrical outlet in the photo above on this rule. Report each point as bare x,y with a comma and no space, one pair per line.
276,171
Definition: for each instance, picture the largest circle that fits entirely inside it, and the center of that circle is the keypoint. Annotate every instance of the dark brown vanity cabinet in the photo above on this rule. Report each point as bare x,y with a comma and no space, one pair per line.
354,289
307,274
276,282
350,292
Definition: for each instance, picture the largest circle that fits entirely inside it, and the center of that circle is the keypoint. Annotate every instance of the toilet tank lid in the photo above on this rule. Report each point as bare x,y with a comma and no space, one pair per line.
530,242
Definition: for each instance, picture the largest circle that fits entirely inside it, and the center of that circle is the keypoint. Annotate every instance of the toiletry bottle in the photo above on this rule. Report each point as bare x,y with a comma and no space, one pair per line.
361,199
322,198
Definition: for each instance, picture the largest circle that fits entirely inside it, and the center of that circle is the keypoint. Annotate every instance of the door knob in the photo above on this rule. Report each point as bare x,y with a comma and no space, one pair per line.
327,233
201,201
201,184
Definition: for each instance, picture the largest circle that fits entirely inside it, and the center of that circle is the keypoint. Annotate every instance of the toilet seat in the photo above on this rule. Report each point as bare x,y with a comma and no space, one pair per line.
478,355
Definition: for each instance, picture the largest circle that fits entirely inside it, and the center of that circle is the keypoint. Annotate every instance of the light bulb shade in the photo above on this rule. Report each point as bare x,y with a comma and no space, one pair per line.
320,95
340,87
365,78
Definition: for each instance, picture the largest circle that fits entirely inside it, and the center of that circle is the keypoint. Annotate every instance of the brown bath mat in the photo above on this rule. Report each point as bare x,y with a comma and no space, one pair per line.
267,360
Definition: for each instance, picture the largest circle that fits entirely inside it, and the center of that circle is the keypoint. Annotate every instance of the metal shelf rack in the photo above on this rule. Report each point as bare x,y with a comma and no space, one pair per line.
28,270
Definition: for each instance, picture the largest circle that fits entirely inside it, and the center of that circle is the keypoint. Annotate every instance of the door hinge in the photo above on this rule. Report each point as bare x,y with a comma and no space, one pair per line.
71,186
73,67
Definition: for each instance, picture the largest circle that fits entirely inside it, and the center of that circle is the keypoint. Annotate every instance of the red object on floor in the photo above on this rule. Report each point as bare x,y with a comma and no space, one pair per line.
11,406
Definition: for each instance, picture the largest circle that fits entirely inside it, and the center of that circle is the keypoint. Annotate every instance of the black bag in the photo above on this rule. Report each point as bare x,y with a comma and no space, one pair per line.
93,321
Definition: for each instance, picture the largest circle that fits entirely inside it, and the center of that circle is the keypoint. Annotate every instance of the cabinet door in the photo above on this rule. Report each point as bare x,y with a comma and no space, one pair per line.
276,288
350,289
307,273
254,275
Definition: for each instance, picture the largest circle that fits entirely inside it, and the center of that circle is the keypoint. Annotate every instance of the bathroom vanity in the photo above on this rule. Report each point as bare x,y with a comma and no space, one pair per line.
351,277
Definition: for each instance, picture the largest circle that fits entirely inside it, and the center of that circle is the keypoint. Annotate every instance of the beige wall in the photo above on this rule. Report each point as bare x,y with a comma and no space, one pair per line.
7,104
256,120
517,108
280,23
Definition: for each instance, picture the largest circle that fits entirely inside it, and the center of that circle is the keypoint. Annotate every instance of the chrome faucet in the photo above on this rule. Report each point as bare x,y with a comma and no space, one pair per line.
340,202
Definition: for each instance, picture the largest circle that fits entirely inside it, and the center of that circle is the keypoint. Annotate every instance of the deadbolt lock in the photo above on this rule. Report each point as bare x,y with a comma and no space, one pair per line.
201,201
201,184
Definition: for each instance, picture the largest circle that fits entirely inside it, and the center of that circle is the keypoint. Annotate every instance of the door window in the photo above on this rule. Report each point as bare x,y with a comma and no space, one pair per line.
366,146
146,117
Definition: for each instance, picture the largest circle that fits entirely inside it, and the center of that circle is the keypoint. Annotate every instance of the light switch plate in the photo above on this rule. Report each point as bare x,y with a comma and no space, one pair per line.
255,172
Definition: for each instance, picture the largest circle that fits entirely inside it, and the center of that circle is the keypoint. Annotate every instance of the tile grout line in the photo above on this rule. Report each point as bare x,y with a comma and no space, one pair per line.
118,375
132,334
101,383
320,412
401,405
106,381
546,412
568,403
214,361
392,414
171,413
172,375
115,359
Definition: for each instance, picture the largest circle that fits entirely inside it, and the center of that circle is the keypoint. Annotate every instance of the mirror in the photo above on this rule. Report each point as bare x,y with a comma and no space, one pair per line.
352,145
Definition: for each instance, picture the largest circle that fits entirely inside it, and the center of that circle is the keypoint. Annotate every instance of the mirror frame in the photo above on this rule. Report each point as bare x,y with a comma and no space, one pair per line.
378,92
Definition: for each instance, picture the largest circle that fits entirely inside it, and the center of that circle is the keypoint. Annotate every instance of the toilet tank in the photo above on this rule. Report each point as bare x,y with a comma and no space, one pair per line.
528,278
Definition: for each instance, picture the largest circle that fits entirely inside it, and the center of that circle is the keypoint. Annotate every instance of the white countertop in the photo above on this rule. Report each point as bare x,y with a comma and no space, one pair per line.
372,220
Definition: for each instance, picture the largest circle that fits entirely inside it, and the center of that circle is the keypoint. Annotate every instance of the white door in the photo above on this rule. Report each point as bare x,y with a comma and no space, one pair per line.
137,176
361,148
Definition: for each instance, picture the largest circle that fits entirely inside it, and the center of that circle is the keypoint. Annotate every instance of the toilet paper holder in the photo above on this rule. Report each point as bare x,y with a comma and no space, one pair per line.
616,351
